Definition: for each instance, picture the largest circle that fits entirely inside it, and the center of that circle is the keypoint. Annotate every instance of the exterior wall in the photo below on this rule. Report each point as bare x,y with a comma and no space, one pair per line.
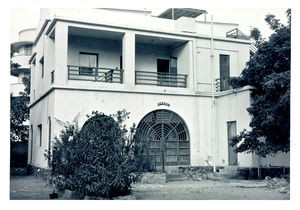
79,103
27,34
16,88
192,104
239,55
109,51
195,111
22,60
147,55
219,29
140,20
39,114
279,160
232,108
39,84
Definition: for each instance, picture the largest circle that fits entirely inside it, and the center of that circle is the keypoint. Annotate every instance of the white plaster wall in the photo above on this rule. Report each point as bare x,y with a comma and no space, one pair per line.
219,29
71,103
109,51
138,19
232,108
146,56
280,159
39,114
183,55
115,17
27,34
43,47
238,52
22,60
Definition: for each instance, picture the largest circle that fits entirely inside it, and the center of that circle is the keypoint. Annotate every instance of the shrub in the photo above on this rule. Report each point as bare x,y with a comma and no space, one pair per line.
101,159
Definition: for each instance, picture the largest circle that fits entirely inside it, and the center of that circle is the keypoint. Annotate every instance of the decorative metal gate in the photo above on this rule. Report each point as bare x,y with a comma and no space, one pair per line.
166,137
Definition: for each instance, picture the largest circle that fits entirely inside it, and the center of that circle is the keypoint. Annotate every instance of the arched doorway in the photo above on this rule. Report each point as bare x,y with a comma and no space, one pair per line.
167,139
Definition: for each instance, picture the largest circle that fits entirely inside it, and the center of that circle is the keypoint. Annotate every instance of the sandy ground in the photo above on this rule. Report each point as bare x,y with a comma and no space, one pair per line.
33,188
208,190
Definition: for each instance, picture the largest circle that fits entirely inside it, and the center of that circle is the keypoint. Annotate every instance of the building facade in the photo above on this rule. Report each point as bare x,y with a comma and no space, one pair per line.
170,72
22,52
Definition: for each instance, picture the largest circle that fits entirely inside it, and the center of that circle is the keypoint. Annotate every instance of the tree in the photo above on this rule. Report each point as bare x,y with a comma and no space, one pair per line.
269,72
98,159
19,111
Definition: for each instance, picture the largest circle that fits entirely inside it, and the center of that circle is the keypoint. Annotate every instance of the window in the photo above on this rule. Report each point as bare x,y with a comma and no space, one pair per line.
224,72
87,62
40,134
42,66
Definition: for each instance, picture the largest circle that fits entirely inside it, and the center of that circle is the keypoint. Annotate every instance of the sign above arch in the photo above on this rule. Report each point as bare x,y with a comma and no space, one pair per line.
163,104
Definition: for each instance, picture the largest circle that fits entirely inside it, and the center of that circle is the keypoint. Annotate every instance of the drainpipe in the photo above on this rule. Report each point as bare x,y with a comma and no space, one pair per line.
212,94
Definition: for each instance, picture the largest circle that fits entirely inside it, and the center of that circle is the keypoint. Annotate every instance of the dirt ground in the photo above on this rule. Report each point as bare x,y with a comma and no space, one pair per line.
33,188
208,190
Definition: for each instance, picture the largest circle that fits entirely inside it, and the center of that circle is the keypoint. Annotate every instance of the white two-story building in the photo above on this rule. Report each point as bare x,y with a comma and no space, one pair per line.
170,72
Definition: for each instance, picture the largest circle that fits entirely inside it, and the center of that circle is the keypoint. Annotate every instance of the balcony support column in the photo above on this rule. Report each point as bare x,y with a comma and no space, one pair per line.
61,53
129,59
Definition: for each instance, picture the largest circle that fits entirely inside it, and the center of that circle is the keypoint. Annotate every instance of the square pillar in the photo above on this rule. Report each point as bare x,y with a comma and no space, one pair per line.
190,79
129,59
61,53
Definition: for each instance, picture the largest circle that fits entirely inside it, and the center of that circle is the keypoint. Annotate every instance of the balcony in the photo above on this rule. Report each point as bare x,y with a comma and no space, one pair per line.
160,79
106,75
222,84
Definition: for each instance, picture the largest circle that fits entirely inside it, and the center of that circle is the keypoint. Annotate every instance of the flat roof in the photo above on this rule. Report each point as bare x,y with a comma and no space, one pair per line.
175,13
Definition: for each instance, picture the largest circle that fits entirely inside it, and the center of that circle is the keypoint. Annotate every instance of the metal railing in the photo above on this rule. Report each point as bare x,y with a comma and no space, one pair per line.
236,34
160,79
222,84
84,73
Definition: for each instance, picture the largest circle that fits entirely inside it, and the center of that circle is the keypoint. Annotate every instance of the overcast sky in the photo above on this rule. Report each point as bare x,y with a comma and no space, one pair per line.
28,18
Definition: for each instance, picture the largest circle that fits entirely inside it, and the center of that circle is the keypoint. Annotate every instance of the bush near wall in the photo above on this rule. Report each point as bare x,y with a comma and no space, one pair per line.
101,159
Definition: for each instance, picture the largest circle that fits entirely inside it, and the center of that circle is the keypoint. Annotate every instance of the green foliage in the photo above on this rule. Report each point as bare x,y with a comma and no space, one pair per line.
19,111
98,160
269,72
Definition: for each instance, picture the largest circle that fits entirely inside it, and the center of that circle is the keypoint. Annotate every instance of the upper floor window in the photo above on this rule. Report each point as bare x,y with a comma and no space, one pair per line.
87,62
224,72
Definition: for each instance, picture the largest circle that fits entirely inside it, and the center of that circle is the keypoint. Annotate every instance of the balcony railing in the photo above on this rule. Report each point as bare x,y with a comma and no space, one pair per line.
222,84
160,79
95,74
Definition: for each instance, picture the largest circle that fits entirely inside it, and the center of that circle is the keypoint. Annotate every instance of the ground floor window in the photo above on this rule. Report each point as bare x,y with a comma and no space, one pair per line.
40,132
